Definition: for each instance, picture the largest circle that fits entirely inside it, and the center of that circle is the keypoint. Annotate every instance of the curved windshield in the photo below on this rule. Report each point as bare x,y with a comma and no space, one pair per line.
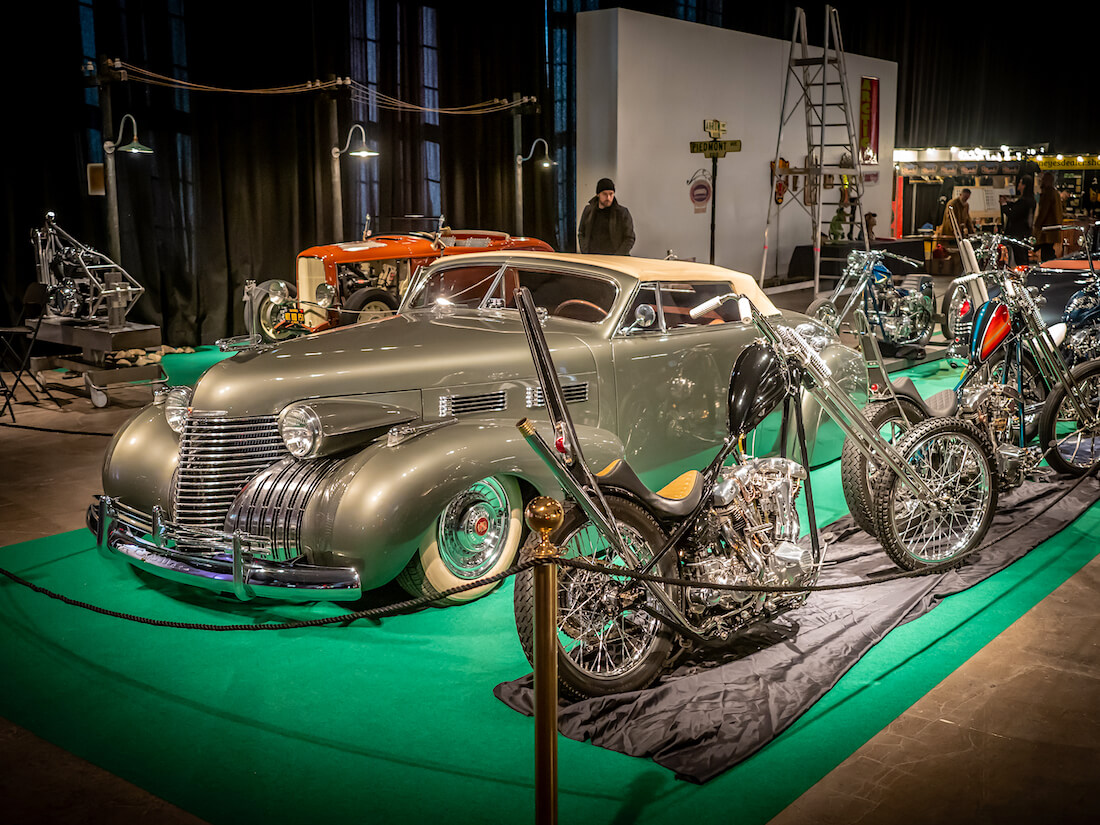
561,294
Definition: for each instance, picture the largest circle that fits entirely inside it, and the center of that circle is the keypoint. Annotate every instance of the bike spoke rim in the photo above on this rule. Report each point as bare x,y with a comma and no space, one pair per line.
952,466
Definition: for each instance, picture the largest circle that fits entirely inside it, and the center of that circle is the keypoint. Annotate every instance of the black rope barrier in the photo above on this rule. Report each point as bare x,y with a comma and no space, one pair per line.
527,564
52,430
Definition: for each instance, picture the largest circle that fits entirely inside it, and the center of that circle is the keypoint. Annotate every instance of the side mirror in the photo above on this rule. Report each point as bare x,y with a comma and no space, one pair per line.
645,316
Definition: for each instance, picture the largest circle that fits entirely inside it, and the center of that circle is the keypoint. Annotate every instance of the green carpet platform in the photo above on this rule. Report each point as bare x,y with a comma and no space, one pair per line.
395,720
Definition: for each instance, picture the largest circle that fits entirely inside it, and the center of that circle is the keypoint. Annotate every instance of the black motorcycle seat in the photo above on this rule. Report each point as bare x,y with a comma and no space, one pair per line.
943,404
676,499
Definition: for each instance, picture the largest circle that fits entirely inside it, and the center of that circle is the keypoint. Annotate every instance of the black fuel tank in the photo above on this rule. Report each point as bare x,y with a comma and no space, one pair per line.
757,386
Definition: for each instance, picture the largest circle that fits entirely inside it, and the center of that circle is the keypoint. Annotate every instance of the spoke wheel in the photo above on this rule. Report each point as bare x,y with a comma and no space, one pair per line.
955,460
476,535
1076,444
605,643
856,472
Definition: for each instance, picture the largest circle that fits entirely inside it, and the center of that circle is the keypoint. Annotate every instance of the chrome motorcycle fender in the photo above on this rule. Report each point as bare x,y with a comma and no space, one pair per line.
372,510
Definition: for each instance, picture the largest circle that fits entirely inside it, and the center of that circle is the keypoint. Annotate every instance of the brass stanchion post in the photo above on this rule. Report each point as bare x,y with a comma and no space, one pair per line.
544,515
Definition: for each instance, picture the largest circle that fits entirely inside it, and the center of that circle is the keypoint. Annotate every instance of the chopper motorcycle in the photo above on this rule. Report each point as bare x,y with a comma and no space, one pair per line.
899,316
1016,388
730,525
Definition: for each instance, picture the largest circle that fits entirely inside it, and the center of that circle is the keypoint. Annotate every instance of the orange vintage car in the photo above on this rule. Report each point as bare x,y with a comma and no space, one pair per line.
341,283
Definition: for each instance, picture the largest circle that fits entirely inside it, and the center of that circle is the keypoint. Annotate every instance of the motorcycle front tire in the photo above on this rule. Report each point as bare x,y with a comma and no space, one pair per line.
1056,415
589,666
955,459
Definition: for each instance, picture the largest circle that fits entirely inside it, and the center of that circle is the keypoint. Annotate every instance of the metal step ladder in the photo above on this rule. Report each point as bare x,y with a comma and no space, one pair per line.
818,85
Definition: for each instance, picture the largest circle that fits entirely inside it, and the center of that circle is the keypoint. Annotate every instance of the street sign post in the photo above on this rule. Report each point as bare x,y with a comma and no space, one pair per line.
714,148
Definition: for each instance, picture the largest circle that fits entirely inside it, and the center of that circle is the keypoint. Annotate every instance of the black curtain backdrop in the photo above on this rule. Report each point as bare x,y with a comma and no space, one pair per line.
497,62
240,183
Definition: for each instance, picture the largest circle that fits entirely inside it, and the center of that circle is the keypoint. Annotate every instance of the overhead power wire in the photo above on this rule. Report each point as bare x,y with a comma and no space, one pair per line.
359,92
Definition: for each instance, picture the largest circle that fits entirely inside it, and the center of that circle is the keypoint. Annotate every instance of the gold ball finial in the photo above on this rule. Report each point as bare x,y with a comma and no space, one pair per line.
544,515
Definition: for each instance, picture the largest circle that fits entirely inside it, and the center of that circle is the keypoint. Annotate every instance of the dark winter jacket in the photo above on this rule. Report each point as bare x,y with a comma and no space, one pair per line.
620,224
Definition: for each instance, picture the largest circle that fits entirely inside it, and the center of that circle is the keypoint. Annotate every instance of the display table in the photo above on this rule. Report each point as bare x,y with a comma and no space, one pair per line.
95,341
833,256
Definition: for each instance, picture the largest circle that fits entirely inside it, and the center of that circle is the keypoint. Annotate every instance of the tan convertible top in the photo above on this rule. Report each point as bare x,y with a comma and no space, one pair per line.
651,269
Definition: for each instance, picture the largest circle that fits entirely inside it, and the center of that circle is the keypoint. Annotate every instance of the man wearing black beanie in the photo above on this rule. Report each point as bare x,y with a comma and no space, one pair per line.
606,227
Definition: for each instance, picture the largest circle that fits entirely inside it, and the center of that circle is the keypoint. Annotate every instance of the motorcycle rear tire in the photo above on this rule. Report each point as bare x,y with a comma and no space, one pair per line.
1056,408
574,538
856,474
955,459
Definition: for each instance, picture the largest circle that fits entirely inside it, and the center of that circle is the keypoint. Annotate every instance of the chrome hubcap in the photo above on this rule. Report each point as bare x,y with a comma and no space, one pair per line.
473,530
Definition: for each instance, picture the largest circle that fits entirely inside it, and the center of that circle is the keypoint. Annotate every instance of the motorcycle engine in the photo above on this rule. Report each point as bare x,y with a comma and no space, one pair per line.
748,536
1084,345
902,314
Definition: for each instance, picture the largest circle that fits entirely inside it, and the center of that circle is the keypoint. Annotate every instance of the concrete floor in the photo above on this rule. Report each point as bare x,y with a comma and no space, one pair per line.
1011,736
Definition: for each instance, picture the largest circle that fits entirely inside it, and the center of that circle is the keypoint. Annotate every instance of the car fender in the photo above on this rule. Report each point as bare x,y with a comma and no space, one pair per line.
824,438
140,460
373,509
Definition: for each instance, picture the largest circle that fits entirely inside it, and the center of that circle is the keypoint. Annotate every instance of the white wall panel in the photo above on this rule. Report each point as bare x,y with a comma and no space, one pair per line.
645,84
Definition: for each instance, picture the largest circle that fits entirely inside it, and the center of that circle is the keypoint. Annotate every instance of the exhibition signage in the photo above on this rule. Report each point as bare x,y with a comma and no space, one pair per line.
868,120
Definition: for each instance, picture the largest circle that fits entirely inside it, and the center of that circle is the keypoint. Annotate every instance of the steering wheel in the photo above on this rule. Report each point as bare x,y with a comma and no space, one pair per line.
580,310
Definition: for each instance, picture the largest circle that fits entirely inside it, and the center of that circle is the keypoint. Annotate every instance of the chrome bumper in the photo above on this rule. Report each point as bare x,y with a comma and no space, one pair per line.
223,562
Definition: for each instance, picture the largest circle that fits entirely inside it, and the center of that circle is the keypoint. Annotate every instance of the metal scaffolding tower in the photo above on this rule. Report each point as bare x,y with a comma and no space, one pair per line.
832,163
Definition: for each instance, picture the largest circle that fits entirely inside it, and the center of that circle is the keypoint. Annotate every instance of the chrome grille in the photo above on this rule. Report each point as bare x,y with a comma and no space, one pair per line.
311,274
273,504
574,394
458,404
218,457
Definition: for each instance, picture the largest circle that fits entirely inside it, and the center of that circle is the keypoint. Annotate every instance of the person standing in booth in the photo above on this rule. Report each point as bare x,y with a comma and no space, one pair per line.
1049,213
606,227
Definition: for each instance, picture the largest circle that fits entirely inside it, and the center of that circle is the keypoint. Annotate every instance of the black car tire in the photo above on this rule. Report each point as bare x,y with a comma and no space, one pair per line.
373,301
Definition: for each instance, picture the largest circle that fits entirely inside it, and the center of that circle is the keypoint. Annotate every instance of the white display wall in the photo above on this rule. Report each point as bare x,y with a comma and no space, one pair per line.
645,84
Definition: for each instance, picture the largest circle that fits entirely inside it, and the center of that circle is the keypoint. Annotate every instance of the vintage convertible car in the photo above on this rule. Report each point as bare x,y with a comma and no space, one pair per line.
369,276
326,465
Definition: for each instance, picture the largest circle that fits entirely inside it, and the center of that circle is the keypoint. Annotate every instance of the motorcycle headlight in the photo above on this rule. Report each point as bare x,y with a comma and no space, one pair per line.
325,295
176,403
300,428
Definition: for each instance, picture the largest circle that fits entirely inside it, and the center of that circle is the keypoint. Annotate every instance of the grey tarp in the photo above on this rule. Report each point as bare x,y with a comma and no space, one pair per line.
712,712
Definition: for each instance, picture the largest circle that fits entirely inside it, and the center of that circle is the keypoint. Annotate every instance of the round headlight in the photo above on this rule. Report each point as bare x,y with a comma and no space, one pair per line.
176,403
278,292
325,295
301,430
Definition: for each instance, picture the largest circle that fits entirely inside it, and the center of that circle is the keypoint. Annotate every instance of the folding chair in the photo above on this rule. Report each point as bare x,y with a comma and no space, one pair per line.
34,297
